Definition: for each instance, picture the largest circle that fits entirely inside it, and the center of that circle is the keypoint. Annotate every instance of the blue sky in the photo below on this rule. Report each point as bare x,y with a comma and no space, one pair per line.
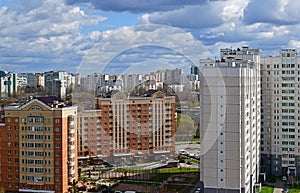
41,35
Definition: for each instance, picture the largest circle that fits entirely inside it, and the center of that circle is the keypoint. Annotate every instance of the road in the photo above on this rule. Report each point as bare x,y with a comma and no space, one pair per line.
190,147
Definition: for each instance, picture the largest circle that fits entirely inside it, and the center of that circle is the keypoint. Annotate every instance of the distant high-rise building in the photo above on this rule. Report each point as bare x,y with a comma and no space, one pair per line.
8,84
30,77
39,80
195,70
130,82
39,146
280,146
230,121
57,83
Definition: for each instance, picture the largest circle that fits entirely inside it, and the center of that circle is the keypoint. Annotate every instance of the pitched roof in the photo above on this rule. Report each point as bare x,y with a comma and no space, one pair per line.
49,100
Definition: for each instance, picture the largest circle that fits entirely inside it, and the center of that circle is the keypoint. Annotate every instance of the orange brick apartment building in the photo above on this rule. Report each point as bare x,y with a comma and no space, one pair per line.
136,128
39,146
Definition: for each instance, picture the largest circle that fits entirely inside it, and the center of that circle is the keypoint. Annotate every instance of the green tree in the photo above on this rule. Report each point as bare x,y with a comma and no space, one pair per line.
185,127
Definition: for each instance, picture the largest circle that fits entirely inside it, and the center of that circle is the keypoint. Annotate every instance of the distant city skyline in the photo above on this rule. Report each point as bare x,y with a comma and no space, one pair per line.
59,35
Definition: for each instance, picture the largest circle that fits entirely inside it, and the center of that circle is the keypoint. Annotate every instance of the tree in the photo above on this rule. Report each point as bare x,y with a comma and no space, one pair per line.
185,127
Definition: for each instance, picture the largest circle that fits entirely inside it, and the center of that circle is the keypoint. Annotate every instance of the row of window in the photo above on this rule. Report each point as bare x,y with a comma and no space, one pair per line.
39,162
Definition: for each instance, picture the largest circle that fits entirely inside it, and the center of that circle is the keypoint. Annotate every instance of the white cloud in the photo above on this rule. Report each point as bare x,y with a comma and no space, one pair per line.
129,45
266,24
278,12
199,16
44,33
138,6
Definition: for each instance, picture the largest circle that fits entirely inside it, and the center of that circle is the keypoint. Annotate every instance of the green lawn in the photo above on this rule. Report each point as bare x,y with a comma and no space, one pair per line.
178,170
162,170
294,190
196,140
267,189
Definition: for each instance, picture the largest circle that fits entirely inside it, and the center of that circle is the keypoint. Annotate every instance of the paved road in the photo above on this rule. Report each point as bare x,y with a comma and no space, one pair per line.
190,147
277,190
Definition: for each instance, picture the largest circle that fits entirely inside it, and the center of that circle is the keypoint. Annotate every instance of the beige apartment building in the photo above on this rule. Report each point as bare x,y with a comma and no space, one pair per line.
39,146
230,121
89,133
136,128
280,146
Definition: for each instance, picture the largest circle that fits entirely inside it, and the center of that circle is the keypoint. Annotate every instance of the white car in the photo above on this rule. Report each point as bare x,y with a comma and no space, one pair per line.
284,178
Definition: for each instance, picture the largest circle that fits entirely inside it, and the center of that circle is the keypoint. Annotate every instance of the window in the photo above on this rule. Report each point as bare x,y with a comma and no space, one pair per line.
8,144
57,120
35,108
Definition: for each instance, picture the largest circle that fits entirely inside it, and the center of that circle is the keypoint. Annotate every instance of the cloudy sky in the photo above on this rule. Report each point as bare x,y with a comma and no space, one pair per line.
41,35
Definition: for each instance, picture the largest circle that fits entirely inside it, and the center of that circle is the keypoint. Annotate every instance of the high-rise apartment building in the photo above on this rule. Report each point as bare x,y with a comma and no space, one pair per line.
39,146
8,84
57,83
136,128
280,145
230,121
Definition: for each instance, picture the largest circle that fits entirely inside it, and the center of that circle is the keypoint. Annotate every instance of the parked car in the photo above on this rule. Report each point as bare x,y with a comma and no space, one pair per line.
182,161
183,152
284,178
100,166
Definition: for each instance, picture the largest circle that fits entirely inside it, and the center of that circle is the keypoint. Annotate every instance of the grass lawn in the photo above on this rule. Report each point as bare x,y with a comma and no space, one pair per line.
267,189
162,170
196,140
178,170
294,190
193,161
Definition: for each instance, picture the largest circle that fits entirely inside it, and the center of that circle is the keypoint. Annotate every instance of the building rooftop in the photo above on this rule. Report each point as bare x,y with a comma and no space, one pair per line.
50,100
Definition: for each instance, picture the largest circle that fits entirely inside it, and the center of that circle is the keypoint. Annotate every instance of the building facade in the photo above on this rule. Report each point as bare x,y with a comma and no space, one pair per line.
89,133
230,121
280,114
39,146
8,84
136,128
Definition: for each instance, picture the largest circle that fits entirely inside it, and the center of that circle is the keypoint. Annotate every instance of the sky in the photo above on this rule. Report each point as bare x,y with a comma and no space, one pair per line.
88,36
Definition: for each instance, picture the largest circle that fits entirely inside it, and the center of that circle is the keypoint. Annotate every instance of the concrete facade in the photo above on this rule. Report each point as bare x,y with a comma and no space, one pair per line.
230,121
280,114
